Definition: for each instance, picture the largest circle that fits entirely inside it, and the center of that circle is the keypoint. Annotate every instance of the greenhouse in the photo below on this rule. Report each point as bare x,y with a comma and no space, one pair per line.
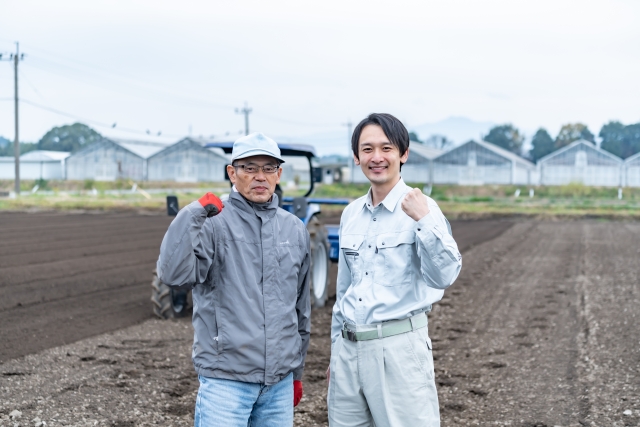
479,163
109,160
419,165
581,162
187,161
632,171
38,164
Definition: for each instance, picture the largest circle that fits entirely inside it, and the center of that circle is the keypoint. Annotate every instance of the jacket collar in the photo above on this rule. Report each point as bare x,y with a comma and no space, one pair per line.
267,209
391,201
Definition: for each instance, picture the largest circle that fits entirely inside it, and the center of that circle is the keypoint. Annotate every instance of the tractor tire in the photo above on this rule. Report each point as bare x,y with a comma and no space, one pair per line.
319,268
168,303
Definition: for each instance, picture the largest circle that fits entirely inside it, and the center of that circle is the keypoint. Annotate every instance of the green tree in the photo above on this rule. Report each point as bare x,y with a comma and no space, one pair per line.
68,138
573,132
414,137
507,137
542,144
25,147
621,140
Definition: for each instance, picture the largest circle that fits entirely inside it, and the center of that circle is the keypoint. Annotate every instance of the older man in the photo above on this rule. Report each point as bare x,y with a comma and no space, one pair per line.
248,265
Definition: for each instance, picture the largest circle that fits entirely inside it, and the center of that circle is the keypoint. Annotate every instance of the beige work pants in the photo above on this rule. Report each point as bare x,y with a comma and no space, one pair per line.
386,382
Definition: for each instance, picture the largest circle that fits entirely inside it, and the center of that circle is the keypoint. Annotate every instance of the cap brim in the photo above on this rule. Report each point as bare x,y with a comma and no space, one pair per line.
257,152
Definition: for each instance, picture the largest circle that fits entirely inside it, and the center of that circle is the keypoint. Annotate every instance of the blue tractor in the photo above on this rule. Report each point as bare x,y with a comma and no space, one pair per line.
170,303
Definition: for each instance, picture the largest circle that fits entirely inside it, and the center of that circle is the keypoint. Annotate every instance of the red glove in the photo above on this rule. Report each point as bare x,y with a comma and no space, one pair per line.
297,392
211,204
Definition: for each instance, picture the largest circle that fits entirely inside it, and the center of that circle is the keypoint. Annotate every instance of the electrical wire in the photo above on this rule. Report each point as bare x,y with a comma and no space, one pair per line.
132,83
138,84
24,76
49,66
193,103
93,122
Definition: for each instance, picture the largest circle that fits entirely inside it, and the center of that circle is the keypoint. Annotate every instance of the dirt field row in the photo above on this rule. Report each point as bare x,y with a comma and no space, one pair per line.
539,330
68,277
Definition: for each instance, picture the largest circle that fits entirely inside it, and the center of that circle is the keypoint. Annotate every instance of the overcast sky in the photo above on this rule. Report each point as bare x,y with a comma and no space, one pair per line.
308,67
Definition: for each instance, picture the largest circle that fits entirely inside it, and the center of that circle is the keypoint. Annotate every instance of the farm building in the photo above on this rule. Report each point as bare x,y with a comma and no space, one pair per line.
419,165
109,160
581,162
479,162
417,168
187,161
632,171
37,164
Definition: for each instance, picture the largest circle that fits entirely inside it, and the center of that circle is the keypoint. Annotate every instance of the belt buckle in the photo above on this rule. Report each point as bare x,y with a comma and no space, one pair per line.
351,336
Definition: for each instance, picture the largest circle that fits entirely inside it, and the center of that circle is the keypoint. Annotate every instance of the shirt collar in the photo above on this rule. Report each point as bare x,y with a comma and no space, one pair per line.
391,201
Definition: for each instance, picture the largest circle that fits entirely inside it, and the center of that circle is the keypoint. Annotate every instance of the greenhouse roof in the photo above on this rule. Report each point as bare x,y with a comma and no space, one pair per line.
585,144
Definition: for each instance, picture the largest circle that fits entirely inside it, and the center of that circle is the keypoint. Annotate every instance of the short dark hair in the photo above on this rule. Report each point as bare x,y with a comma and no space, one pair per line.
392,128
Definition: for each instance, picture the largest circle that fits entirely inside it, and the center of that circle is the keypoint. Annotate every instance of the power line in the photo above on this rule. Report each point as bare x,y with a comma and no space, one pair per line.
90,121
177,99
24,76
144,85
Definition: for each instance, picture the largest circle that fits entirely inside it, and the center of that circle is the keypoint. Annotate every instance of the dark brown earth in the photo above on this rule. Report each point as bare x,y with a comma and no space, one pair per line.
540,329
68,277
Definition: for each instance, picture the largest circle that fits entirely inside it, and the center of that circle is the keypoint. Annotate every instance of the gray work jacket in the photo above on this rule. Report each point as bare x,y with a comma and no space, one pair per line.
249,270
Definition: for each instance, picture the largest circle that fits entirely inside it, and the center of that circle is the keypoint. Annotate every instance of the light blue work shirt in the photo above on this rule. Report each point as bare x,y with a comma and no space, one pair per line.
390,266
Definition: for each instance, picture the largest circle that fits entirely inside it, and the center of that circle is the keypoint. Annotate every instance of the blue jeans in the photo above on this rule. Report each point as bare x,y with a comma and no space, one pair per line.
231,403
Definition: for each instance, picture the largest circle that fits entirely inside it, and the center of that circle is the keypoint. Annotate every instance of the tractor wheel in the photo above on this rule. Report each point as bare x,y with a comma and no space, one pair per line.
168,303
319,267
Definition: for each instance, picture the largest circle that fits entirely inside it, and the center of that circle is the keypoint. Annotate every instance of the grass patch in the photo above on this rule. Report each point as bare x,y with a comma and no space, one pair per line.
572,201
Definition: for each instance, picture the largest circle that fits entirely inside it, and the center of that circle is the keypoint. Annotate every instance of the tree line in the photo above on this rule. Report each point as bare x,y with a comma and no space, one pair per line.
61,138
616,138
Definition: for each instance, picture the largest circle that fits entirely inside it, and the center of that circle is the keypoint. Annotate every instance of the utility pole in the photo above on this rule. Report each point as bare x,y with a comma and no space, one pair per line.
17,57
349,149
246,111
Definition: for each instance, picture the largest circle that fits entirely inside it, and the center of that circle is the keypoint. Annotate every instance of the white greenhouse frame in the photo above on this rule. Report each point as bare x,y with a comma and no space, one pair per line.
479,163
632,171
187,161
581,162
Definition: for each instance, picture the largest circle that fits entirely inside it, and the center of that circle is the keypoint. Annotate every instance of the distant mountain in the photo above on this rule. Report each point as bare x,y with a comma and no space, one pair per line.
457,129
4,141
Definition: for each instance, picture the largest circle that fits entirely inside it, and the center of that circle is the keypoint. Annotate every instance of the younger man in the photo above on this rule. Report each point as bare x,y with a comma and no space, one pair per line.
397,256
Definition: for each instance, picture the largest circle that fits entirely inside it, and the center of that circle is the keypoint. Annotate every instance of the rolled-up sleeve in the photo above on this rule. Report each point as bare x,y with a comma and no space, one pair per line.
440,260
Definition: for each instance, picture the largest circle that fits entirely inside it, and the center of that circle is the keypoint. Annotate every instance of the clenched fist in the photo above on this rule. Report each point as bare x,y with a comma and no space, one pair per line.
415,204
212,204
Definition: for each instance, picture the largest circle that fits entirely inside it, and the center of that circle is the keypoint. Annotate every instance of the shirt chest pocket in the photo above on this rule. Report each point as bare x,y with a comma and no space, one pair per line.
350,246
397,251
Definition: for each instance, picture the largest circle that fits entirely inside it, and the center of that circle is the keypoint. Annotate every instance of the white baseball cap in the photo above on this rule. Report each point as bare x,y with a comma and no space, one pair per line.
255,144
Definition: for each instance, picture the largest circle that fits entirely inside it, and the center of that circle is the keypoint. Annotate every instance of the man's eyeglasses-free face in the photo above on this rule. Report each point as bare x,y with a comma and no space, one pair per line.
252,168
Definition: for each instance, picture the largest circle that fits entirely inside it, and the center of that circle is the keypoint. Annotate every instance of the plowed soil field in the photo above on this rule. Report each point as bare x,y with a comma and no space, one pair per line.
540,329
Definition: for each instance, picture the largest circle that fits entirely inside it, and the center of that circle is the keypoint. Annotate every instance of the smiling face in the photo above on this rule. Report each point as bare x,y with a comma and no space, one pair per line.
257,187
379,158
